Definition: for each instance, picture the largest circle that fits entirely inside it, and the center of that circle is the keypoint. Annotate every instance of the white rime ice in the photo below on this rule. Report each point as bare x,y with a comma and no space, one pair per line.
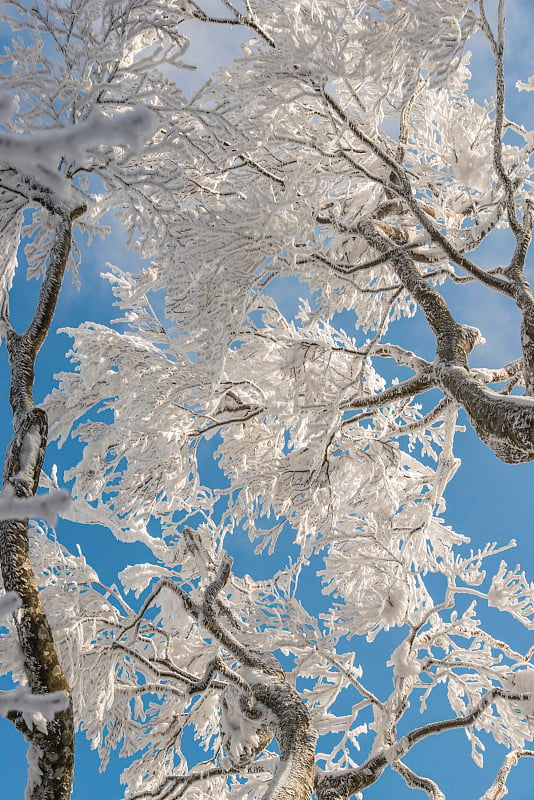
43,506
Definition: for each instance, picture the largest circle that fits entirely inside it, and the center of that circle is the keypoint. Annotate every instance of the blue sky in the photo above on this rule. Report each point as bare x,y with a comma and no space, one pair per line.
487,500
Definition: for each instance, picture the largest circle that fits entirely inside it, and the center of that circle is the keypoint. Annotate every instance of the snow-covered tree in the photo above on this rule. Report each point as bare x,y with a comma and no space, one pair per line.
293,214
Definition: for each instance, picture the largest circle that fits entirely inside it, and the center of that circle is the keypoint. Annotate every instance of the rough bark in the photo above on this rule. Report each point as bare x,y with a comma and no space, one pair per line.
341,785
292,724
296,737
51,752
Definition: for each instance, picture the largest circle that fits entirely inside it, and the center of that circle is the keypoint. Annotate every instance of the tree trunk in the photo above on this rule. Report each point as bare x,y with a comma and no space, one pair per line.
51,754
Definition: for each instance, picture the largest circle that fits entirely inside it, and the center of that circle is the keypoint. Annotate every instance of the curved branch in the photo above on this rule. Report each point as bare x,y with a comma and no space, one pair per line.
432,728
415,781
293,778
424,422
52,282
401,188
182,782
341,785
167,671
256,660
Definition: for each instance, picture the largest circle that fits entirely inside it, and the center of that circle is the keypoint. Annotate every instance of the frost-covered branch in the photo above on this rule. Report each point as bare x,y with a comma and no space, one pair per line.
415,781
289,214
33,707
341,786
46,507
498,789
506,424
408,388
36,156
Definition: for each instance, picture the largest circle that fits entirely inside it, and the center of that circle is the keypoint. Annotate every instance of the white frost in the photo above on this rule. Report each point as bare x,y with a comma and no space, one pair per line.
42,506
38,153
404,661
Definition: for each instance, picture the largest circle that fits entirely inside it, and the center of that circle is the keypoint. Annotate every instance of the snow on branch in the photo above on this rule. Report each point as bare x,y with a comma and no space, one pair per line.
38,153
279,171
9,602
46,506
36,709
498,789
510,591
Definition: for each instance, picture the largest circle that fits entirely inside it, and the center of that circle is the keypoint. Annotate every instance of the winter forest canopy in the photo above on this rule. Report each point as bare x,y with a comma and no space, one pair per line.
269,413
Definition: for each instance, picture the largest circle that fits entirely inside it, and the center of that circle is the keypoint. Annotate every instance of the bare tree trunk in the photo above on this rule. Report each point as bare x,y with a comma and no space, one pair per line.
51,752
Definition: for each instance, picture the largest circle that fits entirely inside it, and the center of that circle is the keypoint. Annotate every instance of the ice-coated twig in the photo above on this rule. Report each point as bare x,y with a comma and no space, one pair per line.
44,506
21,701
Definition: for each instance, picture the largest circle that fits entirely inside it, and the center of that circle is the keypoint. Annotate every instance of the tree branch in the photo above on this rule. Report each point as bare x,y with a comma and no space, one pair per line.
417,384
497,790
54,749
504,423
415,781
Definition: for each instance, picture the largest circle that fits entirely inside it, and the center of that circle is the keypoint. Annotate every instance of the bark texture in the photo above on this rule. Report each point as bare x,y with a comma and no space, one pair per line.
292,724
51,752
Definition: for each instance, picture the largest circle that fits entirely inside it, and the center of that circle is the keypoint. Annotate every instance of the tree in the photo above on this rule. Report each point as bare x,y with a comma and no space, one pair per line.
310,167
